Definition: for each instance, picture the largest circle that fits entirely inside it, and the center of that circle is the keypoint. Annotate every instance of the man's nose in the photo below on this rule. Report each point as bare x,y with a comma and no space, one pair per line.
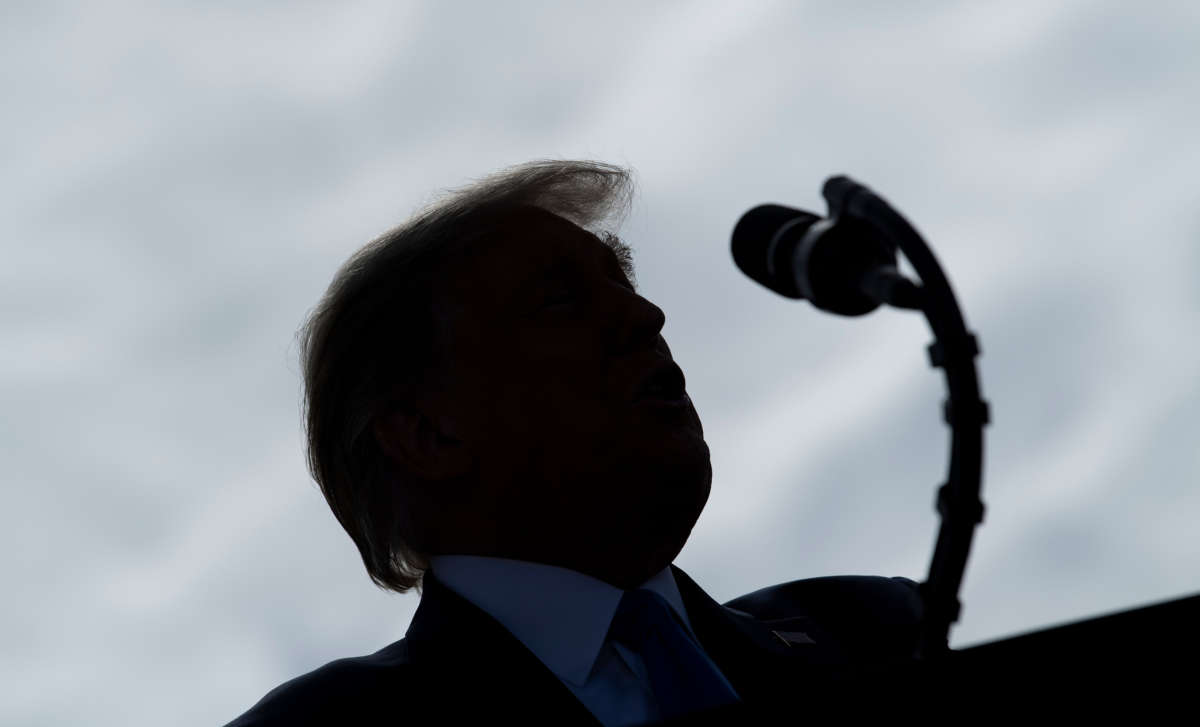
638,323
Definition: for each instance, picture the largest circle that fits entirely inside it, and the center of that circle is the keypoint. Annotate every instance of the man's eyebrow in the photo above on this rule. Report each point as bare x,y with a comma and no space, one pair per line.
623,253
614,249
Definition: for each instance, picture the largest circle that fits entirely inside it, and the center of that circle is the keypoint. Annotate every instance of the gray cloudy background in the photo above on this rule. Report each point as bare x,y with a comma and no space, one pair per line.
180,181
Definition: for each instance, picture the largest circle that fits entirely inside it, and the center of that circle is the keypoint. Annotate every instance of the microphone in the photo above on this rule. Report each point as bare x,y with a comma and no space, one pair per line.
840,265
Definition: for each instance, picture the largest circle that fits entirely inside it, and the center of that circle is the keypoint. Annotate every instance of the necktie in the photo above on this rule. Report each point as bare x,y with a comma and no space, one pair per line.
682,678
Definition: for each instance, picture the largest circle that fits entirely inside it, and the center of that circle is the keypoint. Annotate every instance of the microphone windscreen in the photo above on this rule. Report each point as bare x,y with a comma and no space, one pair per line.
752,237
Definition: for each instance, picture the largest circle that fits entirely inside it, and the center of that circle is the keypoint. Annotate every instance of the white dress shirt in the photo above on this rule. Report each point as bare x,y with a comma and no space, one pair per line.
563,616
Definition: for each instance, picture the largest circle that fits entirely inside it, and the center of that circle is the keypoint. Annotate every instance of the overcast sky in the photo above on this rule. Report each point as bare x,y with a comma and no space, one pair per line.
180,181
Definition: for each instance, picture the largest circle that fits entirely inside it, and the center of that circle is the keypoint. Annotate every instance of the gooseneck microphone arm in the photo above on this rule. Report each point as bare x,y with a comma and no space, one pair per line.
953,350
846,264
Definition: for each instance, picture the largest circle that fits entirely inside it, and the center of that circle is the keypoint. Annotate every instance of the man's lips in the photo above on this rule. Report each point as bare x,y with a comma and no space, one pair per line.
664,381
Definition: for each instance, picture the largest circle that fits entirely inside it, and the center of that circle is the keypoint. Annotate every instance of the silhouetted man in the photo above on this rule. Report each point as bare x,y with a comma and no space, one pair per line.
495,419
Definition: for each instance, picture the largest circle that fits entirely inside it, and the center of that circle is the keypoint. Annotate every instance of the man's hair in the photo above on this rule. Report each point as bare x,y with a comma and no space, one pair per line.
373,339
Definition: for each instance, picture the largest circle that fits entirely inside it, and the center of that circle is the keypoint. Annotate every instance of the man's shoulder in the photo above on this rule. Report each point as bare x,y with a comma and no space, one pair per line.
868,615
343,688
893,599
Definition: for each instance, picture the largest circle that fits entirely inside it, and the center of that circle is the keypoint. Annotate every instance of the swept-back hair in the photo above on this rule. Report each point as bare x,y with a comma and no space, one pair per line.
372,337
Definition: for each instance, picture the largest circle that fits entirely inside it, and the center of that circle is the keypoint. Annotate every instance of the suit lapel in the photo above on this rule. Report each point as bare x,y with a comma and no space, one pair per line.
479,666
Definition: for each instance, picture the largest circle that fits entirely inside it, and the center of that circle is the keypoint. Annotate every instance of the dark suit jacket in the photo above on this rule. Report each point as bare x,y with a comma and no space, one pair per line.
456,664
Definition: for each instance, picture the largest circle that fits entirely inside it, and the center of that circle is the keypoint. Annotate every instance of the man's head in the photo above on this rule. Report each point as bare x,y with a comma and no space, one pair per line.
515,434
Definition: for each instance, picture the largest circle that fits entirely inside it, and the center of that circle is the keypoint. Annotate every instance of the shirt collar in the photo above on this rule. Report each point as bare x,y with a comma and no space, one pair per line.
559,614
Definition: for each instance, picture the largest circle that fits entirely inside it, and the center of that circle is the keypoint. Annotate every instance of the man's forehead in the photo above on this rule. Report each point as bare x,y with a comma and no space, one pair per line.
535,230
521,245
528,239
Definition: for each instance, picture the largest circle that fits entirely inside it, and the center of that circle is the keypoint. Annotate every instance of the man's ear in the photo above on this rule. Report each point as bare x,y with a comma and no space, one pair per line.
419,444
